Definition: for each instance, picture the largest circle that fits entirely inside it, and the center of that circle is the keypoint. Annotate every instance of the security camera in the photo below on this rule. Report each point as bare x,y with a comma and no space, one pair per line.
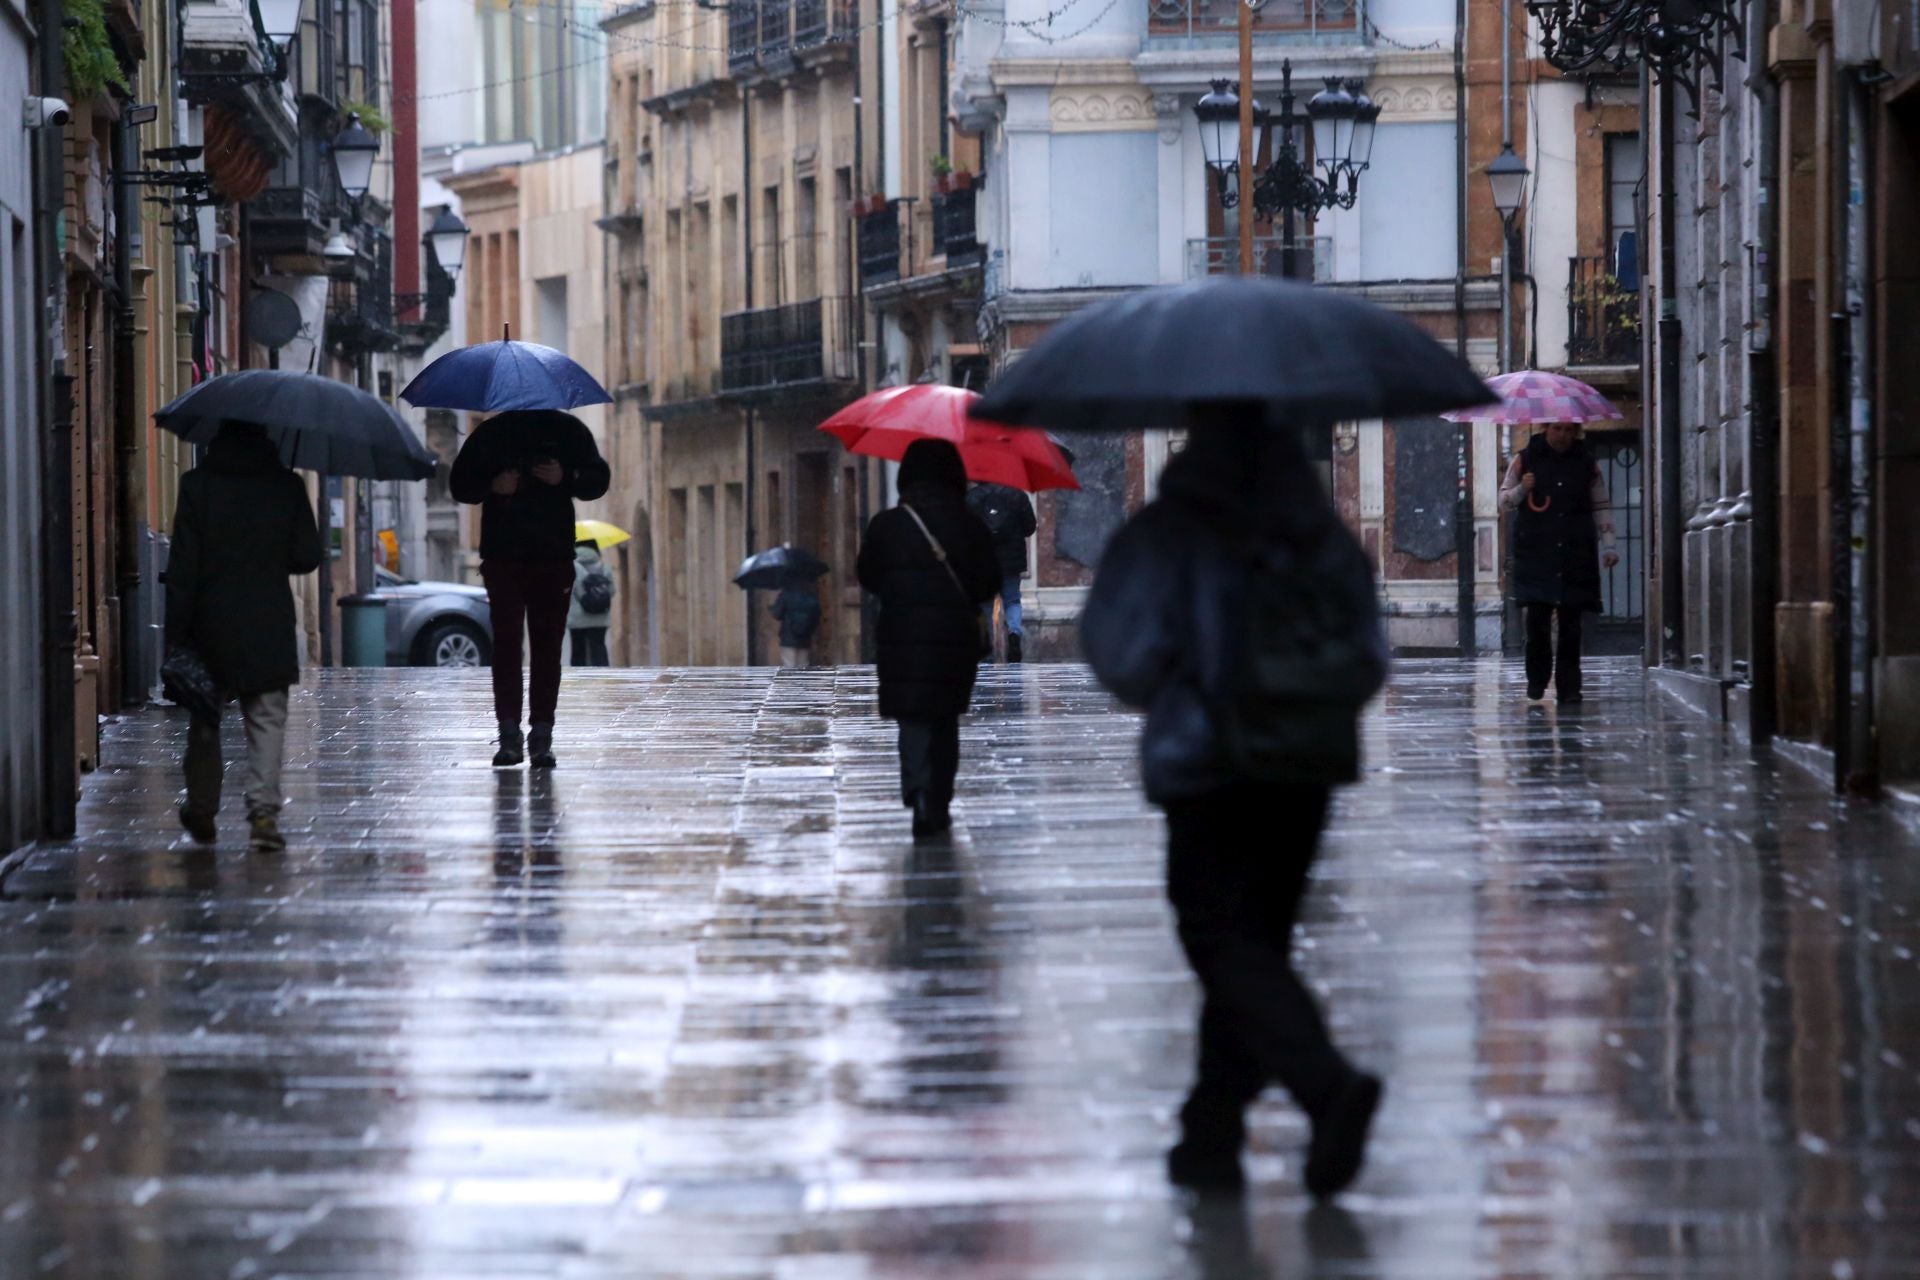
47,113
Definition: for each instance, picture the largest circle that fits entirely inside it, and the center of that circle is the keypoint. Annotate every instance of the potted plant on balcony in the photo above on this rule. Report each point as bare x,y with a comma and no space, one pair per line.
942,174
867,206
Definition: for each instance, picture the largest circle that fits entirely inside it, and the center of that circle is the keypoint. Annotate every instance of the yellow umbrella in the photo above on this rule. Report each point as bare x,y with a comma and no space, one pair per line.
600,533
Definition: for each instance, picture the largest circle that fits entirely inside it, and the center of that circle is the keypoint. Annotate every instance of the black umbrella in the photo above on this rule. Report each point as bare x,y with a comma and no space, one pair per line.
319,424
772,569
1309,354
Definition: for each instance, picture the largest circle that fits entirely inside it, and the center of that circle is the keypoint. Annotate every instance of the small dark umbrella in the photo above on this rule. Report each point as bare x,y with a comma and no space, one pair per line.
496,376
772,569
319,424
1309,354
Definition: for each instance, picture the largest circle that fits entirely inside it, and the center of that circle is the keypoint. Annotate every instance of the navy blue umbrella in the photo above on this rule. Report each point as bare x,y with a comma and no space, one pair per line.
497,376
319,424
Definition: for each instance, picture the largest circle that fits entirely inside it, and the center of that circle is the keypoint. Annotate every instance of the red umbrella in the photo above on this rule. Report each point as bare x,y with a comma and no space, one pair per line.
883,424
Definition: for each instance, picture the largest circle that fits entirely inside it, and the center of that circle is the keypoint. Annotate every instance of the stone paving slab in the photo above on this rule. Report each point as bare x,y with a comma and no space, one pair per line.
694,1005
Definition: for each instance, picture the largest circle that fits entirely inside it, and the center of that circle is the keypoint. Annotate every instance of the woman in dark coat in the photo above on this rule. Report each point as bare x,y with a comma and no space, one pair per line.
1167,628
524,469
1561,516
929,628
241,527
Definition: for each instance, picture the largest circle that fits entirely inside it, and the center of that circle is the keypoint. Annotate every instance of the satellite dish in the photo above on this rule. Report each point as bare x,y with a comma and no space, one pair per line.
272,319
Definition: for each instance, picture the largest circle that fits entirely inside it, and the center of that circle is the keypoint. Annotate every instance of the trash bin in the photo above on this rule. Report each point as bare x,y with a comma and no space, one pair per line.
363,631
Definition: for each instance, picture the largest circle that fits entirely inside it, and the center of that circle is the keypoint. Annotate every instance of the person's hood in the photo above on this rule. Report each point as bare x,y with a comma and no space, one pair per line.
1249,477
242,451
588,556
1537,447
932,468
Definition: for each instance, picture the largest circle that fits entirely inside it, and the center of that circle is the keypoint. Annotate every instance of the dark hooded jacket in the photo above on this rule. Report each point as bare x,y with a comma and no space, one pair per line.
1556,552
242,526
1161,623
1008,515
929,638
535,523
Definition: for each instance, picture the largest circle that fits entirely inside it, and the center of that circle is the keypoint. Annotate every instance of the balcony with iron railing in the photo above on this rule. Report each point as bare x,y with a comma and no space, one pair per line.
1603,313
879,245
773,35
1274,21
360,311
955,231
1220,256
797,344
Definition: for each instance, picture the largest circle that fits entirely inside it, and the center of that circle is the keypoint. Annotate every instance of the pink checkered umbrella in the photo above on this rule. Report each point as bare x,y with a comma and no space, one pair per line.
1532,397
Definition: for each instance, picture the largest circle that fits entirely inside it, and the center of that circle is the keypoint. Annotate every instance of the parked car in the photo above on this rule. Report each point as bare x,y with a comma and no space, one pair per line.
435,624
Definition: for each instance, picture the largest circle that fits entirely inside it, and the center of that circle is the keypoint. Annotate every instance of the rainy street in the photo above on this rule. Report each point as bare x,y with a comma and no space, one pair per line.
695,1005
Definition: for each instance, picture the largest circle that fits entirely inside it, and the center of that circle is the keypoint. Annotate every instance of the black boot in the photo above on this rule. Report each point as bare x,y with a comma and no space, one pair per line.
1339,1145
540,746
512,748
1013,646
929,819
1207,1157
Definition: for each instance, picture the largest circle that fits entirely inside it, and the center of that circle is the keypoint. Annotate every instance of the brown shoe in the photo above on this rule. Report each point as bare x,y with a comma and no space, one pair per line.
263,834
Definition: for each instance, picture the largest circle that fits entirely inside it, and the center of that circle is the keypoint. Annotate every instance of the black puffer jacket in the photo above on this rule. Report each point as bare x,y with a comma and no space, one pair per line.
1160,625
1556,553
1008,514
242,527
929,630
536,522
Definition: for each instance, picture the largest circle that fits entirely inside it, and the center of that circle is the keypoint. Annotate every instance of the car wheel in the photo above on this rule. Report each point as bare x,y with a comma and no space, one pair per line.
453,644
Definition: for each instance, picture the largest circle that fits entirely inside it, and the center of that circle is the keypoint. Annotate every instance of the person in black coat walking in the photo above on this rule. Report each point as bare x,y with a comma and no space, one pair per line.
1561,518
1169,627
932,564
524,469
797,608
242,526
1008,515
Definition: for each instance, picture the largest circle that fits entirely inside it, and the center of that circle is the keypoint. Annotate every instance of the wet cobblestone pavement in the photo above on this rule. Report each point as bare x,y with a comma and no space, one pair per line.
694,1005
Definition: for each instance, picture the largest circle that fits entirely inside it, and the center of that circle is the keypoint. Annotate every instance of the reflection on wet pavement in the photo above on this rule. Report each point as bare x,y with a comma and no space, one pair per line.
694,1005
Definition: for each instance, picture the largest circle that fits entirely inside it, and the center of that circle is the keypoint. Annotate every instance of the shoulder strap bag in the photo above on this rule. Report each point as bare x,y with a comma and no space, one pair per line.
983,625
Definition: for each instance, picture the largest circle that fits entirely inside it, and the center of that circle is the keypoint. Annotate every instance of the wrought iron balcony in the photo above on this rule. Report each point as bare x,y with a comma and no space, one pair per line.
774,34
1293,20
880,245
787,346
1603,315
954,230
1220,256
360,311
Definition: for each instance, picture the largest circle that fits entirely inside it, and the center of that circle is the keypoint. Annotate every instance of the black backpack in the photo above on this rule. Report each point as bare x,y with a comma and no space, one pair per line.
1306,653
596,591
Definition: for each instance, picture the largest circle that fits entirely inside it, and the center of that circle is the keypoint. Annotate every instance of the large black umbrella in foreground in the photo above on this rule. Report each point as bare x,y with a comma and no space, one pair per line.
320,425
1308,354
772,569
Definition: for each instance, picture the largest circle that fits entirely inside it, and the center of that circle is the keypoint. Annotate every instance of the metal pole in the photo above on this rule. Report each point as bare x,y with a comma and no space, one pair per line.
1245,14
1506,293
1672,597
60,780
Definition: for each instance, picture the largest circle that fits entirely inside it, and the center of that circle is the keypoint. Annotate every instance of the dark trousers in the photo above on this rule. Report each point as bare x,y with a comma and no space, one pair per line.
1544,659
929,759
529,597
590,647
1237,866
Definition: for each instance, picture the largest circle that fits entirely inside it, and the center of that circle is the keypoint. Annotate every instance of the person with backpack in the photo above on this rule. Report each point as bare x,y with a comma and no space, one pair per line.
1562,532
932,564
1240,613
1008,515
524,469
798,609
592,608
242,526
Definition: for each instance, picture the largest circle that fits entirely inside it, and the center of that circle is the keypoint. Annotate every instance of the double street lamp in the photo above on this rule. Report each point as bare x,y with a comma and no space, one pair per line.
1342,120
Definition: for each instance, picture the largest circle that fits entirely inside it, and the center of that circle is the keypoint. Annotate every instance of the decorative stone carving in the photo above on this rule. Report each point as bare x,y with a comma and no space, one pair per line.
1102,110
1168,113
1407,100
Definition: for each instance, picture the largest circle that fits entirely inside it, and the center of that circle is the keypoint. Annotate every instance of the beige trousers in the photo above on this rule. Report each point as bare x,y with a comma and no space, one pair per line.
265,715
794,657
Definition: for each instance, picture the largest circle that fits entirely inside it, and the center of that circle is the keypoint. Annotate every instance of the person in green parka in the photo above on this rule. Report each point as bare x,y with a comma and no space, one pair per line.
242,527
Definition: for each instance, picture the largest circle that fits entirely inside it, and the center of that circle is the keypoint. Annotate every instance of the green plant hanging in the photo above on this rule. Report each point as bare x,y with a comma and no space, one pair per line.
92,65
370,118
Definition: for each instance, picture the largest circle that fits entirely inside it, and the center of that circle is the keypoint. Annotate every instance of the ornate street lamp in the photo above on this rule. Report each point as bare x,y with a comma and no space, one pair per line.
1507,175
280,19
1342,120
353,152
1672,37
447,241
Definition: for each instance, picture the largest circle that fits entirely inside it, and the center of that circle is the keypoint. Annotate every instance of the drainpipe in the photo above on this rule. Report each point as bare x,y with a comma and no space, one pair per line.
746,231
60,781
1857,699
1463,433
130,490
1672,599
1763,421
